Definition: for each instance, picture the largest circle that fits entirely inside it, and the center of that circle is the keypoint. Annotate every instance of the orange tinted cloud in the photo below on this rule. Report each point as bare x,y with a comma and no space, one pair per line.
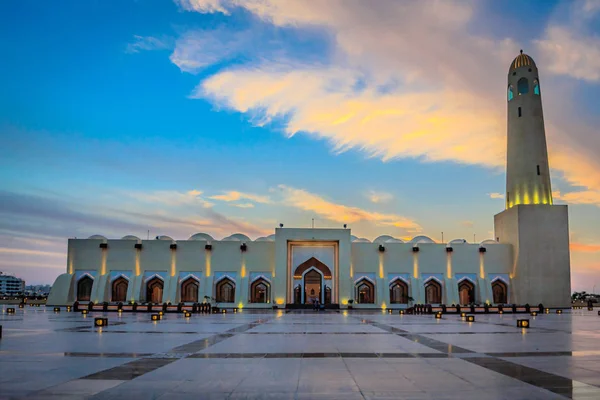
585,248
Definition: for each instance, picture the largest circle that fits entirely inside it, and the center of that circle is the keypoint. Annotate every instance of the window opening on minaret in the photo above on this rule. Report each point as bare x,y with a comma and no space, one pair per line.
536,87
538,170
523,86
519,111
510,93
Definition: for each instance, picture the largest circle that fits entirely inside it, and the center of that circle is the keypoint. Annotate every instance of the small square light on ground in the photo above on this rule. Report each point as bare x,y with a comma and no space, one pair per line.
187,314
547,311
463,314
160,313
470,318
68,308
84,312
523,323
500,312
10,310
559,311
438,315
100,322
154,317
56,309
224,311
534,313
21,305
401,312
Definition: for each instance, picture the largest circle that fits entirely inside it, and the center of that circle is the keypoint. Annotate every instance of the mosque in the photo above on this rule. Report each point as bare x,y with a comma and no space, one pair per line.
526,262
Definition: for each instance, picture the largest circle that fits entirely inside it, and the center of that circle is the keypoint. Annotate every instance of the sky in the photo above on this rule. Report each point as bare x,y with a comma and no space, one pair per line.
155,117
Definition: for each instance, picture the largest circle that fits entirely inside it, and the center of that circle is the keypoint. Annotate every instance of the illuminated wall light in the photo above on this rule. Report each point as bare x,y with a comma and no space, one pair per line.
103,262
344,301
383,306
481,266
279,300
71,254
381,265
243,266
173,261
138,269
207,262
415,264
240,305
351,270
449,264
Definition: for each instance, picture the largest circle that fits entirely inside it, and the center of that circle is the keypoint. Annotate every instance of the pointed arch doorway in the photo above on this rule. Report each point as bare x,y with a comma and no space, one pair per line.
315,282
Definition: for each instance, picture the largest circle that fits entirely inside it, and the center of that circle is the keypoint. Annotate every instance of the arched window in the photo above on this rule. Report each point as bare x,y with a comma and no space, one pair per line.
84,288
466,292
225,291
398,292
499,291
433,292
119,289
260,291
154,290
536,87
365,292
510,93
523,86
189,290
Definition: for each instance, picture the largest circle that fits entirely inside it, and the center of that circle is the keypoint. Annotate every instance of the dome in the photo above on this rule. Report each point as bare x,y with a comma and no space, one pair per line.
237,237
488,241
164,237
382,239
201,236
130,237
394,240
265,239
522,60
422,239
353,238
97,237
361,240
457,241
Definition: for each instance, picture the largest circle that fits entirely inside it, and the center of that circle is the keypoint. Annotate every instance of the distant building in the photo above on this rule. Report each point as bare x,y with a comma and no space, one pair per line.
11,285
37,290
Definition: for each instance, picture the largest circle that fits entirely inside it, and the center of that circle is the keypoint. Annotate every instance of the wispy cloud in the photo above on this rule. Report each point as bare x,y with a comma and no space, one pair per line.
145,43
467,224
496,195
332,211
28,252
379,197
233,195
585,248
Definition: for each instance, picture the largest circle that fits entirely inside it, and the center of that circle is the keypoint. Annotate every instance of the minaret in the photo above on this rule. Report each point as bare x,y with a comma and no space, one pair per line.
527,171
536,230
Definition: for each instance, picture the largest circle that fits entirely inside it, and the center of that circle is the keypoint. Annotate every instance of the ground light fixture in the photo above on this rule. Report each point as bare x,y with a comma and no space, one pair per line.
401,312
463,314
223,311
547,311
84,312
500,312
534,313
187,314
470,318
559,311
21,305
154,317
99,322
522,323
68,308
438,315
10,310
56,309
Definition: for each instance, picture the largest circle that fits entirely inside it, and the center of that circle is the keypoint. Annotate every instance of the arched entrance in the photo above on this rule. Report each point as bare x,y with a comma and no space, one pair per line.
313,282
365,291
313,287
225,289
466,292
260,291
119,289
398,292
154,290
433,292
84,288
189,290
499,291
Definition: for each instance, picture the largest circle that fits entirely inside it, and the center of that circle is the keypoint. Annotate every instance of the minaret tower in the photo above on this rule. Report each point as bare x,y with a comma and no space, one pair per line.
537,230
527,172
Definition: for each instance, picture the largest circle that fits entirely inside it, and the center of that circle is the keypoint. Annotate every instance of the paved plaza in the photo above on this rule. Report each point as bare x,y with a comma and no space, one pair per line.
298,355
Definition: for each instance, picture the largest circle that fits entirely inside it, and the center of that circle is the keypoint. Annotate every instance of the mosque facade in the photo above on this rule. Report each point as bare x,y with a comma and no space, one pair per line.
527,261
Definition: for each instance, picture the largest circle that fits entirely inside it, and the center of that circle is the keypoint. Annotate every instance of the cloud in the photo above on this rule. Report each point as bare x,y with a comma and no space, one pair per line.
233,195
467,224
581,197
307,201
244,205
145,43
496,195
28,252
585,248
434,105
170,197
379,197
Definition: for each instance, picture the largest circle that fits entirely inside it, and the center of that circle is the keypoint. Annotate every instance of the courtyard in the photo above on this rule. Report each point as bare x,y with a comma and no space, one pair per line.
298,355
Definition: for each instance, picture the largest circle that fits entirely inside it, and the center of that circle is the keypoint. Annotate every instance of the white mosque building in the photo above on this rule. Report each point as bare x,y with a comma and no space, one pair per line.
527,262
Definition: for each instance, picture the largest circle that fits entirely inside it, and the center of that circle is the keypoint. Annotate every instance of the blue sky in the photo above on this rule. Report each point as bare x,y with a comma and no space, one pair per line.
119,117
